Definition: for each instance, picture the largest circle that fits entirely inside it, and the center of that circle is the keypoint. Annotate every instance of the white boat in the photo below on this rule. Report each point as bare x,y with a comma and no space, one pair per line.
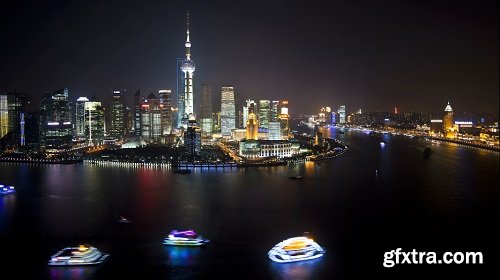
124,220
81,255
184,238
296,249
5,190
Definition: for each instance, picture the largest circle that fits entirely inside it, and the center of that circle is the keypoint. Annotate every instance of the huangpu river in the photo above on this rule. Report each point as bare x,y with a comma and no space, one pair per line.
372,199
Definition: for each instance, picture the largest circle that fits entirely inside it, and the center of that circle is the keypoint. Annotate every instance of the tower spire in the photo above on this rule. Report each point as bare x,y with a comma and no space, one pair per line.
188,44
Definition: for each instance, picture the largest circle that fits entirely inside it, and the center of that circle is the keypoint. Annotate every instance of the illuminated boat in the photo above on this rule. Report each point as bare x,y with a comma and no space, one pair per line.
5,190
296,249
184,238
82,255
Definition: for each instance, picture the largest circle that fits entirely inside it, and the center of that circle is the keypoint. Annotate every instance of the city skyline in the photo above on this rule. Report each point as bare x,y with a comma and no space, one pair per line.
289,54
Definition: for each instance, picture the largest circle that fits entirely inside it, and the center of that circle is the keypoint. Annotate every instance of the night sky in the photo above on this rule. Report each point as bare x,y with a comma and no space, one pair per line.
374,55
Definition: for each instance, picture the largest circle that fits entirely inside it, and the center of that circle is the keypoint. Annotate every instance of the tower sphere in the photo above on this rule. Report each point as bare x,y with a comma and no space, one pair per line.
188,66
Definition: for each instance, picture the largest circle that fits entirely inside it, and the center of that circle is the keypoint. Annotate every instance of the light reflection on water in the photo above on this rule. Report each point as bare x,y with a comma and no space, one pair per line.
296,270
183,256
71,273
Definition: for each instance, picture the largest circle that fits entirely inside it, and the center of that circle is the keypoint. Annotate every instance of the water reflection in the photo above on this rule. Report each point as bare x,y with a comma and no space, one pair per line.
183,256
296,270
71,273
7,204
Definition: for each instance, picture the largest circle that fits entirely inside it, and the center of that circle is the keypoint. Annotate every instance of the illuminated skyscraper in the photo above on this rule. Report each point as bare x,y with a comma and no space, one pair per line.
117,115
274,131
228,111
341,114
80,117
94,122
151,118
56,128
275,112
166,110
4,116
284,119
247,109
264,114
137,113
192,140
188,67
206,110
252,127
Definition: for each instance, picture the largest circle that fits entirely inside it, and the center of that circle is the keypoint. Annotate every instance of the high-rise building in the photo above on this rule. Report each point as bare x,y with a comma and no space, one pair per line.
206,110
94,122
274,131
137,113
275,110
4,116
341,113
188,67
151,118
166,111
117,115
228,111
192,140
284,119
247,109
216,122
252,127
264,114
56,128
80,117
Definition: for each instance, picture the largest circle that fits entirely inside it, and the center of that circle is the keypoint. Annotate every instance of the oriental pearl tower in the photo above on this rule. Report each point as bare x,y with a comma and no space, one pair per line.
188,67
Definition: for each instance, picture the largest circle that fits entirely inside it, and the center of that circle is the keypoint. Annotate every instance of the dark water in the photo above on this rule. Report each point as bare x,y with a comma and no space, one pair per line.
447,202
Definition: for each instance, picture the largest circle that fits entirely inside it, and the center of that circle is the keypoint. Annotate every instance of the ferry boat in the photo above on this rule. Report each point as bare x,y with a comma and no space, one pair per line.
296,249
5,190
184,238
295,177
81,255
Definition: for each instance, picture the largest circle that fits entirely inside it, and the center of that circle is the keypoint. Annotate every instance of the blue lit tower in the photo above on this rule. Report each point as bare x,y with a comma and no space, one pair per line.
188,67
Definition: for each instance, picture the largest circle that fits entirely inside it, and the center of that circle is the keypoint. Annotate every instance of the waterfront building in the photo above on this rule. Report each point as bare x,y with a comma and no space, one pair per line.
206,110
117,115
264,114
80,117
192,140
12,110
342,116
449,129
56,127
228,111
252,127
188,67
252,149
137,113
